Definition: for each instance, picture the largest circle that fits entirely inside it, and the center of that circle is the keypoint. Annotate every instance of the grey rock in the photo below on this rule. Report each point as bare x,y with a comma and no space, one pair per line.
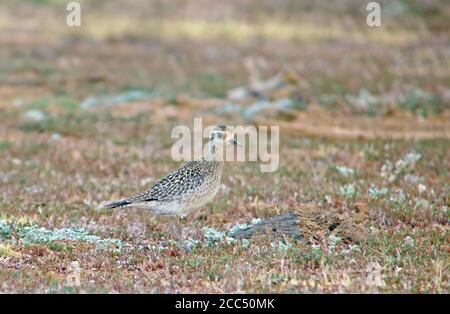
280,226
111,100
33,116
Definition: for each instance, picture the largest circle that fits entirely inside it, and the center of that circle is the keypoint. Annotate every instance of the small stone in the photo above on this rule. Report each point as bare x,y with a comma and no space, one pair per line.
33,116
229,108
344,171
238,93
422,188
55,137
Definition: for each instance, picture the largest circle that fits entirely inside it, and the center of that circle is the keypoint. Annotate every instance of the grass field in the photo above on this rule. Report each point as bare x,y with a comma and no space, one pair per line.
86,115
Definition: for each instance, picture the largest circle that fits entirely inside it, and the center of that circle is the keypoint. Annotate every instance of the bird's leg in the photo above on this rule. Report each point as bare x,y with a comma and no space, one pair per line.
180,220
179,228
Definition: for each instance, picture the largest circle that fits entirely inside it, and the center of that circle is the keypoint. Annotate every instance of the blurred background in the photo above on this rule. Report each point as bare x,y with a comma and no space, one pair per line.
165,49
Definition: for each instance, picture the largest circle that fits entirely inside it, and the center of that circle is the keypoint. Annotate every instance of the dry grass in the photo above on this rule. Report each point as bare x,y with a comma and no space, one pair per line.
387,90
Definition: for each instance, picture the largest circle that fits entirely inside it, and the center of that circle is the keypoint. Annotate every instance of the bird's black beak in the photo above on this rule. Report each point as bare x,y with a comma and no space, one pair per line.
235,143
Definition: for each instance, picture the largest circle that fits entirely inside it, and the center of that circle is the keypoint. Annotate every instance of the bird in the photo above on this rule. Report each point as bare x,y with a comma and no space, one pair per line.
189,187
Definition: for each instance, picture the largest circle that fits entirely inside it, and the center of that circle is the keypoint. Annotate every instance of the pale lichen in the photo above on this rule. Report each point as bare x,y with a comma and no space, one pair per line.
348,190
5,230
34,234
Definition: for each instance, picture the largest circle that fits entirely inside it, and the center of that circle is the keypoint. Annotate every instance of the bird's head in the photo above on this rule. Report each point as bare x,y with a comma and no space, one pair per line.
221,134
219,139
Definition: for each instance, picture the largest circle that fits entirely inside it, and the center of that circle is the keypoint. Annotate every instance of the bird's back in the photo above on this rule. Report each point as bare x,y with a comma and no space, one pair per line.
180,191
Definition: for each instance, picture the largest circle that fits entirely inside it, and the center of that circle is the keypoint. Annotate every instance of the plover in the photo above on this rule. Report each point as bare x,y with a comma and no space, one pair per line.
189,187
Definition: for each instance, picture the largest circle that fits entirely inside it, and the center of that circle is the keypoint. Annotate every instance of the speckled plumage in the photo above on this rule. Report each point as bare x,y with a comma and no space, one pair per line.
184,189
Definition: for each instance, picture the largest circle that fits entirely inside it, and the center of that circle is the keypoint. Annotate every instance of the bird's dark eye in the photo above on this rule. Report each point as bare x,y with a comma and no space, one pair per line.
216,135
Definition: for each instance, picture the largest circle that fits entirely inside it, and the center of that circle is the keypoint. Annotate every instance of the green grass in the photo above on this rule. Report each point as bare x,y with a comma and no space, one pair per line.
55,172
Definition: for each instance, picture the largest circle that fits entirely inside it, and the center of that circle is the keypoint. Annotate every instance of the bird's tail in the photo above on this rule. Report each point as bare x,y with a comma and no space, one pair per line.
115,204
